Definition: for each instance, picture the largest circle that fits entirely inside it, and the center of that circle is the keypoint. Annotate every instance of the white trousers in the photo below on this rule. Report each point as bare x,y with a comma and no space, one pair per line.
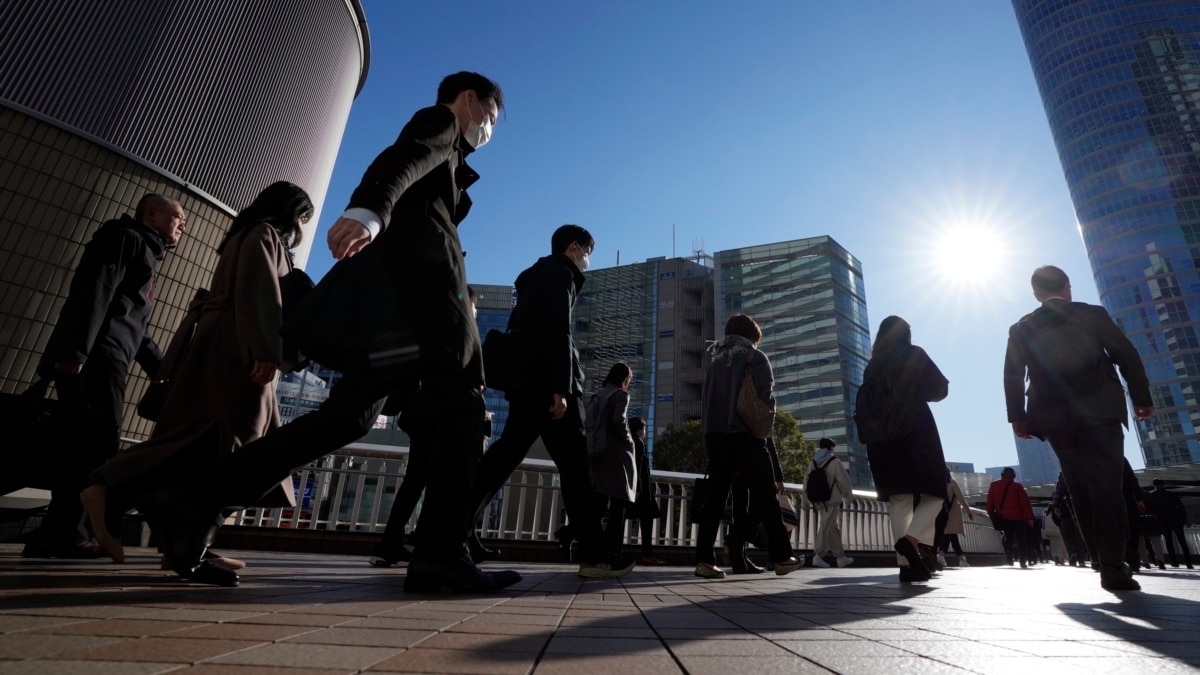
829,530
918,523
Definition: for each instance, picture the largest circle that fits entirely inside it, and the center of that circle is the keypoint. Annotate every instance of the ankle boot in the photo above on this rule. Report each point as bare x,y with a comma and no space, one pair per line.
735,555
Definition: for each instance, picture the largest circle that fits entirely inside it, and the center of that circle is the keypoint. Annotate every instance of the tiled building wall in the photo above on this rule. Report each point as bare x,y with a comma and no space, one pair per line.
56,189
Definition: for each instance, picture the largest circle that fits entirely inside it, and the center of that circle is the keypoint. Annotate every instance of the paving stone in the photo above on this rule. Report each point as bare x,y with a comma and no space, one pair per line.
457,661
752,647
365,637
86,668
532,644
119,627
163,649
625,664
297,655
603,646
243,631
29,646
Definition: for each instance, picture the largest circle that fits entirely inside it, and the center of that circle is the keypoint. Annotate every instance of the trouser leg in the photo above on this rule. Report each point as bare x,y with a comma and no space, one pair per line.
241,478
457,414
411,488
524,425
921,526
939,527
722,469
646,532
1091,454
900,512
567,446
92,405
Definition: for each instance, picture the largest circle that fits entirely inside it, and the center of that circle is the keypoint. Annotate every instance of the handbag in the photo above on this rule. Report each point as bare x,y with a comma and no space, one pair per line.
151,403
25,424
788,512
758,417
998,521
502,360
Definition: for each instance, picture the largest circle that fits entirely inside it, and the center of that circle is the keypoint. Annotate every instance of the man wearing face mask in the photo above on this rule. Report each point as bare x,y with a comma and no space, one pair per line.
394,317
546,402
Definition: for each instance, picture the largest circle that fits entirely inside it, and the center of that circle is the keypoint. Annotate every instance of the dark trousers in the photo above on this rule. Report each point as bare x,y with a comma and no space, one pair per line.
615,510
87,434
646,529
734,457
1070,534
1016,541
564,440
939,527
1171,532
453,410
416,473
1091,451
951,540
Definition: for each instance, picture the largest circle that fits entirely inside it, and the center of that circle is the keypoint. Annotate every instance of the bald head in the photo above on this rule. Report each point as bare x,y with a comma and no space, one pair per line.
1049,281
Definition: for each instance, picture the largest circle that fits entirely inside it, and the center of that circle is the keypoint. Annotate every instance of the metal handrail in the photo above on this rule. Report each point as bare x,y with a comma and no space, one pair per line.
353,489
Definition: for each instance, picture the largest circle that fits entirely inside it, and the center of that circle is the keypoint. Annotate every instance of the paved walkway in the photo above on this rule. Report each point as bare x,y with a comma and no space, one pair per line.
307,615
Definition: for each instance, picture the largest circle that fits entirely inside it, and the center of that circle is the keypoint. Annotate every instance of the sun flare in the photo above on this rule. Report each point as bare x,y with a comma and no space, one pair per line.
969,254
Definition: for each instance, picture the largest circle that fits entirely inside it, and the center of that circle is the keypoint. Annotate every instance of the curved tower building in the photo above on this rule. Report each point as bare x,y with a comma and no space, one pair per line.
1120,81
205,101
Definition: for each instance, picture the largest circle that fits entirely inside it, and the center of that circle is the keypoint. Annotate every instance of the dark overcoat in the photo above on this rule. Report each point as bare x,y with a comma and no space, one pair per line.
913,464
398,310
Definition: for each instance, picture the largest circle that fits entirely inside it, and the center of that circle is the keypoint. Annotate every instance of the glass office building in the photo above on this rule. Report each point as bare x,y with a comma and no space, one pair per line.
1120,82
494,304
809,298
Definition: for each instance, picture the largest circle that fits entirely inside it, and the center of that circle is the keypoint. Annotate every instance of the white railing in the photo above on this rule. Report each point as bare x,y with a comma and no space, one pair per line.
353,490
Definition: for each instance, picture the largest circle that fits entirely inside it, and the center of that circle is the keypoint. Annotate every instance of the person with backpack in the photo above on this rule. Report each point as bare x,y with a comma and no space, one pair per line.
904,448
1075,401
826,486
612,462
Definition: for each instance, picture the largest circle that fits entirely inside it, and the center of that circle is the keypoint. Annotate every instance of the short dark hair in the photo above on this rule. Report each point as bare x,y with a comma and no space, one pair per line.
566,235
894,332
742,324
1049,279
617,375
826,443
636,424
484,88
1009,471
151,201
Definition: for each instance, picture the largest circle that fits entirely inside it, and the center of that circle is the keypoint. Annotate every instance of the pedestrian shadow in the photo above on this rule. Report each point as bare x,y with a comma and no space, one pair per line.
1146,623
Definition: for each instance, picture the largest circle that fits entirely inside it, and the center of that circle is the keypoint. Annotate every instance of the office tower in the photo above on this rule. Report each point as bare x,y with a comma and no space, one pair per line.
809,298
494,304
103,101
655,316
1039,464
1120,82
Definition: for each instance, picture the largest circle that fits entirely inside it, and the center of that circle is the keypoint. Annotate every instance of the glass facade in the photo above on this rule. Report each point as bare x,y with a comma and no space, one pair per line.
809,298
494,304
1039,464
1120,81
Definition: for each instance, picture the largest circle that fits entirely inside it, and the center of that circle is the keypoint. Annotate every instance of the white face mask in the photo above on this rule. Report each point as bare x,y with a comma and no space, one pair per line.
582,263
478,134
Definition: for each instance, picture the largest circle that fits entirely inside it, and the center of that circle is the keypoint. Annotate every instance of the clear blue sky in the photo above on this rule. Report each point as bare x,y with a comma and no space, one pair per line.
909,131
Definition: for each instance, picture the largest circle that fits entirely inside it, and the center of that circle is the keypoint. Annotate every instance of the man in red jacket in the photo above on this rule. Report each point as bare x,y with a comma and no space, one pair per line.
1008,498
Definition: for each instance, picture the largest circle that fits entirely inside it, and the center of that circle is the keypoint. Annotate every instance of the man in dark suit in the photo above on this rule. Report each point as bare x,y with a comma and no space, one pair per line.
394,317
99,333
1081,411
1171,512
547,401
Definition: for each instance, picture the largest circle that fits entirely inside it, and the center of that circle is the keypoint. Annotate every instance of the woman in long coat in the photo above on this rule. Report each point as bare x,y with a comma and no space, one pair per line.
956,505
611,460
222,393
910,470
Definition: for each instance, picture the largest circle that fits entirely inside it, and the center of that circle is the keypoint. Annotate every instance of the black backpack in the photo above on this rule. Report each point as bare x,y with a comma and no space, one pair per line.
1064,356
879,413
817,487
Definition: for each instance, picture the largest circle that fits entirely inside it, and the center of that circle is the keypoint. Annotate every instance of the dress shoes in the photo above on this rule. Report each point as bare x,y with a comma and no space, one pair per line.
481,553
459,575
788,566
916,565
910,574
1118,578
208,572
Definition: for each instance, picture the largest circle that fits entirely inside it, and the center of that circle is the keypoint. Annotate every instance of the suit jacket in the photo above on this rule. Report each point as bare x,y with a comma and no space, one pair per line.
1107,402
546,294
398,310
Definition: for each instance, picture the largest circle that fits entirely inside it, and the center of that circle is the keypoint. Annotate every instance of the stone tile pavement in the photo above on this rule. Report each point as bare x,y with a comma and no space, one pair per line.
316,614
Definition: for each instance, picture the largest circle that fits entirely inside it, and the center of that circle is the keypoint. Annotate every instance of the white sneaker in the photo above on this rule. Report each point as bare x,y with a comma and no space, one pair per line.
844,561
942,560
962,561
818,561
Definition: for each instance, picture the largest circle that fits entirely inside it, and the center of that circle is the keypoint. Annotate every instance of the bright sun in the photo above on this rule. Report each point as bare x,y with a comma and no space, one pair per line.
969,254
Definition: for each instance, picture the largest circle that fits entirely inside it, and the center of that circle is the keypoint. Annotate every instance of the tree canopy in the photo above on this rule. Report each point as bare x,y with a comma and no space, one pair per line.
682,448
